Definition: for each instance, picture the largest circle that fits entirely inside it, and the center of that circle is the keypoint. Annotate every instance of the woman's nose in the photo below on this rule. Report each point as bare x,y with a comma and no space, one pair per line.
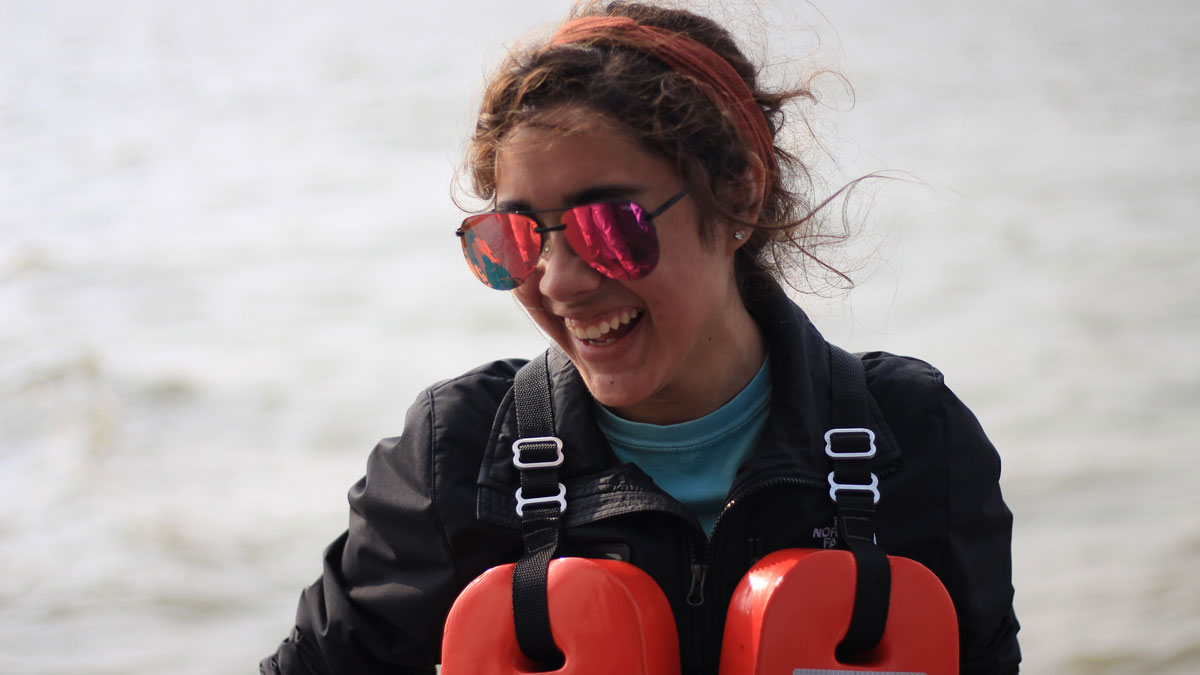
563,273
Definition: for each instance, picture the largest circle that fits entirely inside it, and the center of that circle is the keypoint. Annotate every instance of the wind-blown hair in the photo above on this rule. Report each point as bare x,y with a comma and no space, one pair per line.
670,115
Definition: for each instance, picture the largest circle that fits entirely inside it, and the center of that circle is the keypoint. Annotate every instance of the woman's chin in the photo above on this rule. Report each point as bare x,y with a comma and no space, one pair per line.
616,394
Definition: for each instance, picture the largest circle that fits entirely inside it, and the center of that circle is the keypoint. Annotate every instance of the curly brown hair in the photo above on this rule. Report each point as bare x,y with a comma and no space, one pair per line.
669,114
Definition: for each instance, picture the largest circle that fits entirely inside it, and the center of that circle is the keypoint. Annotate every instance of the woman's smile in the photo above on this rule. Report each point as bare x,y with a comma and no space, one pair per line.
604,329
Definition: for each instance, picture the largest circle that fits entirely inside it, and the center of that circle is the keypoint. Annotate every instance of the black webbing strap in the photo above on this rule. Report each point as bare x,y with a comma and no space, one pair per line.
850,445
541,500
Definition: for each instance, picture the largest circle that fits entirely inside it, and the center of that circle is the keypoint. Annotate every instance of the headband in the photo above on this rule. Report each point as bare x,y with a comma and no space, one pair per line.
715,76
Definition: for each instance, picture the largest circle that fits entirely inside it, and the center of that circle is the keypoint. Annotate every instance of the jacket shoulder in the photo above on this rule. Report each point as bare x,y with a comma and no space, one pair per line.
445,432
905,387
892,374
453,417
482,384
466,402
910,389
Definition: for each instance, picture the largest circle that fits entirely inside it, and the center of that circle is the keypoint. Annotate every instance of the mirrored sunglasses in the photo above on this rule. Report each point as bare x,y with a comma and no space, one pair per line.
615,238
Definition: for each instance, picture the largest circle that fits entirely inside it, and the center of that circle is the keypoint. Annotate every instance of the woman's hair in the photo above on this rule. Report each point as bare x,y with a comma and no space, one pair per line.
671,116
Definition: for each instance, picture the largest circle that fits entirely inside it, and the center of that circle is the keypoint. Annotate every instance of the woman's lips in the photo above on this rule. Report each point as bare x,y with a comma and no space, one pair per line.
604,328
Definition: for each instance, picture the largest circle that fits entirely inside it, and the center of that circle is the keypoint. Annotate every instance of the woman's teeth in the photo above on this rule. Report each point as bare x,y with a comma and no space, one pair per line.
596,331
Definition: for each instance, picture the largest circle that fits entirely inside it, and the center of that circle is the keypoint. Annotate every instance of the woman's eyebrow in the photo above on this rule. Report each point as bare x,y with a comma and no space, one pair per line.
588,195
513,206
599,193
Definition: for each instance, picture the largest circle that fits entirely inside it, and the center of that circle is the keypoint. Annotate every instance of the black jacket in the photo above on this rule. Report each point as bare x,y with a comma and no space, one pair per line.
436,509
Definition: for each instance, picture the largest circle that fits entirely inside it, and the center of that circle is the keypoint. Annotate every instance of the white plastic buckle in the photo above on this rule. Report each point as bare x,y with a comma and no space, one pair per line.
560,499
872,487
550,464
867,454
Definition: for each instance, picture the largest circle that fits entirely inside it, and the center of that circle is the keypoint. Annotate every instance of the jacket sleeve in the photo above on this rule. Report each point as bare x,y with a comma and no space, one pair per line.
977,561
389,580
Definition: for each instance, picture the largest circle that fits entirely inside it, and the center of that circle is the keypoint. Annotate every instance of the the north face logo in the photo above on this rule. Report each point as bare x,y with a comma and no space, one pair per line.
826,535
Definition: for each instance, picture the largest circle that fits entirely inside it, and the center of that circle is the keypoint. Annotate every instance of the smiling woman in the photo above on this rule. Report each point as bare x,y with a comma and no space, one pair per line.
641,205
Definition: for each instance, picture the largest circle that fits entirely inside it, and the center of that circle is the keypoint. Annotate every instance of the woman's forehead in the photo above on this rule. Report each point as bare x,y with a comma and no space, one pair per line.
555,161
564,121
560,130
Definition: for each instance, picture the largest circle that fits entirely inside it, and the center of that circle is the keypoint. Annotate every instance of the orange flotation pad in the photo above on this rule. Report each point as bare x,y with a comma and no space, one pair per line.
606,616
793,607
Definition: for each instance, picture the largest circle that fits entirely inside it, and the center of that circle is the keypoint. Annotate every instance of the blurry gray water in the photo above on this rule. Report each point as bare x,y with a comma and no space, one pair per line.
226,269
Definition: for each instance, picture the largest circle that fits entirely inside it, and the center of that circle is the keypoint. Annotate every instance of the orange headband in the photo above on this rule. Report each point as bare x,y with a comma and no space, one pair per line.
715,75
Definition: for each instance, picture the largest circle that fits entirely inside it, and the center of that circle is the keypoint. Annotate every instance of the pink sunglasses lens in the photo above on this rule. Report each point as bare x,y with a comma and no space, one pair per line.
614,238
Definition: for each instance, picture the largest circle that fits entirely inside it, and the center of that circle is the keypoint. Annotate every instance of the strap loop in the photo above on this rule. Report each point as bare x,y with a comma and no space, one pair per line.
837,440
560,499
534,444
836,487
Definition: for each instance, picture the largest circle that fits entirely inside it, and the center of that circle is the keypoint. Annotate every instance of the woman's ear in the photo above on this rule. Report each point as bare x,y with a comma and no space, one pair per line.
748,194
752,189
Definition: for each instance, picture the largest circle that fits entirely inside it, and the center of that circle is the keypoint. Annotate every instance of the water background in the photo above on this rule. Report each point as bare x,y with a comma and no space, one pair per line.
226,269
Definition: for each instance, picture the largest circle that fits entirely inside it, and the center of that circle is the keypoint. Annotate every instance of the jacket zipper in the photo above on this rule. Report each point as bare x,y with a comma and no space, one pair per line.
698,563
700,558
695,596
702,553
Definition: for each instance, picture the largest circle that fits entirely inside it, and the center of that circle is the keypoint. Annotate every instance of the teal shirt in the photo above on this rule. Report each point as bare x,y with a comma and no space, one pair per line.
695,461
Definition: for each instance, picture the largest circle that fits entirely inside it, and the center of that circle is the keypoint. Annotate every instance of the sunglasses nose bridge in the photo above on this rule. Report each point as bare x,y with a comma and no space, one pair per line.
562,271
555,243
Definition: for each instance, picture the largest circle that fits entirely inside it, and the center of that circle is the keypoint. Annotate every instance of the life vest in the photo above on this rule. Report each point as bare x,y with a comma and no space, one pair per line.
787,615
607,616
791,610
796,612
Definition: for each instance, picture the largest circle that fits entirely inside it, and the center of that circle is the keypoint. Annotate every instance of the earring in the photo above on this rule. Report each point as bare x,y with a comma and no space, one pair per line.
739,235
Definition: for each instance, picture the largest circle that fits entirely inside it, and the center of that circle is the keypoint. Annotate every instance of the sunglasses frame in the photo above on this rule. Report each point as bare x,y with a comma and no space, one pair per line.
543,230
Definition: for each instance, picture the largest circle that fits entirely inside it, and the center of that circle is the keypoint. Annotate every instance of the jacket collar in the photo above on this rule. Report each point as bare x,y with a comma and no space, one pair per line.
792,444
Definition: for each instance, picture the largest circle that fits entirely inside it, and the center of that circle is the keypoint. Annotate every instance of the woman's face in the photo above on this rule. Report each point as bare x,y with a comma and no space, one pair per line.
672,346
